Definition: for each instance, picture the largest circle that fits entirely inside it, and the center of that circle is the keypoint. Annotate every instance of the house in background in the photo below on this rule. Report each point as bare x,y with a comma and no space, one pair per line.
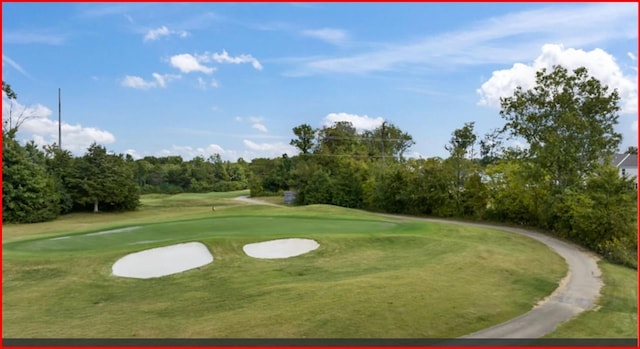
627,165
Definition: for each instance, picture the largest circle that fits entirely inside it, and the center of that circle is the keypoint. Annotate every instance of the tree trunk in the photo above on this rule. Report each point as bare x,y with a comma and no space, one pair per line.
95,206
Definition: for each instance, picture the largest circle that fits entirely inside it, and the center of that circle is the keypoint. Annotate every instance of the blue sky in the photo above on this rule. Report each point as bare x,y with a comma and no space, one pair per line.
234,78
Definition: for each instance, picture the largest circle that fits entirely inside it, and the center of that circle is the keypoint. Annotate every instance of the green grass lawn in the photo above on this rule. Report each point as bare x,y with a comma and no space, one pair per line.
371,277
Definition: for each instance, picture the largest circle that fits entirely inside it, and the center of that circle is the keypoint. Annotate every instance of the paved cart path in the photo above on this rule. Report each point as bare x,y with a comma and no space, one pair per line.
577,292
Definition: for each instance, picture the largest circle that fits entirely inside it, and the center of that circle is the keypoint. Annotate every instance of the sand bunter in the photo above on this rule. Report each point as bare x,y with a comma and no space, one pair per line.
167,260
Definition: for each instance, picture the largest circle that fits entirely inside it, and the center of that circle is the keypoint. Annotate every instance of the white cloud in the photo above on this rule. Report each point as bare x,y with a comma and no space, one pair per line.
139,83
238,119
361,123
27,38
634,126
188,152
188,63
203,85
632,56
134,154
599,63
14,65
224,57
155,34
330,35
43,130
269,150
260,127
483,42
256,119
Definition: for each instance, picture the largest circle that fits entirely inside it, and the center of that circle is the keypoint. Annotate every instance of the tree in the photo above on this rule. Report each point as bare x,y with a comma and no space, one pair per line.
306,135
387,140
105,178
490,147
339,139
15,114
6,88
568,121
461,143
60,164
632,150
28,192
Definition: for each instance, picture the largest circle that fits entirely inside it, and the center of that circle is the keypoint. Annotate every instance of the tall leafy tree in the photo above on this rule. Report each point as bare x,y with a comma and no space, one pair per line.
460,145
387,140
102,178
305,138
568,120
28,192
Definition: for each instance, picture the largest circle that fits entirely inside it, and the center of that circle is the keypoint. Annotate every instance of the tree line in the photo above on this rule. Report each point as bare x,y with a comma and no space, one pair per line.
563,182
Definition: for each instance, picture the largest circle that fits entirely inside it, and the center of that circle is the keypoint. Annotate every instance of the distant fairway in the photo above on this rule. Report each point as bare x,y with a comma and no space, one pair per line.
371,277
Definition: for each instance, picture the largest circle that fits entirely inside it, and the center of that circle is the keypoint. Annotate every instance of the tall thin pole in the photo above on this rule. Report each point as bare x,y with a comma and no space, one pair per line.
59,120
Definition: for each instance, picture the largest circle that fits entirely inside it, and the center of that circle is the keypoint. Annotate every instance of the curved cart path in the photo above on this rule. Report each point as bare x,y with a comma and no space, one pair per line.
578,290
249,200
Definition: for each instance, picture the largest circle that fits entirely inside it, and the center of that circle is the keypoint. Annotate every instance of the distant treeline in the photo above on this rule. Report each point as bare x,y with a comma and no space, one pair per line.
563,182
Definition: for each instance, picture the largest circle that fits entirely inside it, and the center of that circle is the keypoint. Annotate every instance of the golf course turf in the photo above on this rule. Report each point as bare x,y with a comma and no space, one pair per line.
371,277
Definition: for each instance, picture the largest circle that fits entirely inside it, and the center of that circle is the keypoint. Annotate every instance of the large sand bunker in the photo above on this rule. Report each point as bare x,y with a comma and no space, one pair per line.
283,248
162,261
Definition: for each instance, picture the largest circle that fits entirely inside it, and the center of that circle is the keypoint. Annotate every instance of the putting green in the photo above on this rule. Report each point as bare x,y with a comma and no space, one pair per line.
166,233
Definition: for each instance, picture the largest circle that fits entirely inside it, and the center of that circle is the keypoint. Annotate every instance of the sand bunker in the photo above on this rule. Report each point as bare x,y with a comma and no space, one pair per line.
162,261
283,248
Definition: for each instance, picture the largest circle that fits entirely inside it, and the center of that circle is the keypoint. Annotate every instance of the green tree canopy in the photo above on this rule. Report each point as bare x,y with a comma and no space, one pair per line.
306,135
568,120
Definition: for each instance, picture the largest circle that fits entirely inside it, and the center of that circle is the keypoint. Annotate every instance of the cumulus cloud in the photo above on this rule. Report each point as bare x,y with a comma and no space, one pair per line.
142,84
361,123
155,34
330,35
224,57
260,127
39,127
599,63
188,152
188,63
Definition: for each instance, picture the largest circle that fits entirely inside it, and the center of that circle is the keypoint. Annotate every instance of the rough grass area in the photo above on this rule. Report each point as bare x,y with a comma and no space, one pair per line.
616,315
371,277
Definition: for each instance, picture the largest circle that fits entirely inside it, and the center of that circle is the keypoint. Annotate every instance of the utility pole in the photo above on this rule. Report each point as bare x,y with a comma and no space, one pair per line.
382,139
59,120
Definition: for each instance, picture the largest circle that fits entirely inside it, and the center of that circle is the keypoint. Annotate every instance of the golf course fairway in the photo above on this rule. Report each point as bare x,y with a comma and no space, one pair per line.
370,277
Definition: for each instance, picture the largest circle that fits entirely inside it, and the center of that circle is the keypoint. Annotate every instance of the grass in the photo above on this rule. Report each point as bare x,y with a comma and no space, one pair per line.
616,315
371,277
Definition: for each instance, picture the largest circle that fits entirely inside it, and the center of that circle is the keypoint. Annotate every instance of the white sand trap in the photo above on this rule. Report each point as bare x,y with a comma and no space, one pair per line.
162,261
113,231
283,248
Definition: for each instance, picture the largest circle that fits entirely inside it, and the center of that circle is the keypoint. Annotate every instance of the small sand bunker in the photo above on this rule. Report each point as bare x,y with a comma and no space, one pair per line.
283,248
162,261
